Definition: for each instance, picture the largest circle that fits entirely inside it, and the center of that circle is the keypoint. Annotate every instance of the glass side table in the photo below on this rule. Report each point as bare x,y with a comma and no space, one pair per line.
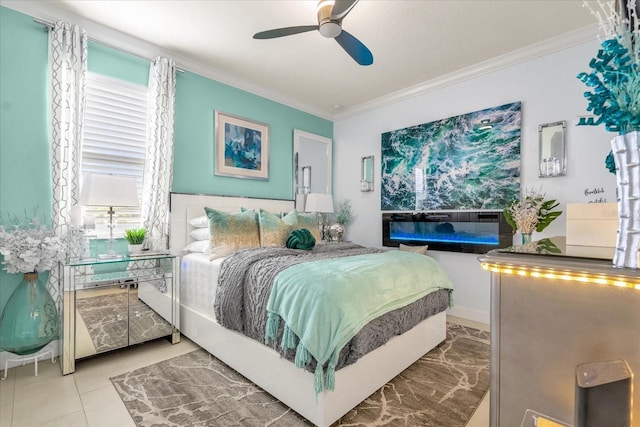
113,303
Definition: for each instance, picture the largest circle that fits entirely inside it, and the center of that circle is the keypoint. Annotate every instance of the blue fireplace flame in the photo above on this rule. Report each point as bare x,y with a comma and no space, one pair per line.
446,232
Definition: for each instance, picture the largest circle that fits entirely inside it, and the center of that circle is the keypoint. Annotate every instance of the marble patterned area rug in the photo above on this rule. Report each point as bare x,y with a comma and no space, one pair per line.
442,389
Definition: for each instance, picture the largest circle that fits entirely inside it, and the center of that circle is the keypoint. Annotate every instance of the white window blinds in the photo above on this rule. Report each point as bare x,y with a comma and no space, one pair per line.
114,140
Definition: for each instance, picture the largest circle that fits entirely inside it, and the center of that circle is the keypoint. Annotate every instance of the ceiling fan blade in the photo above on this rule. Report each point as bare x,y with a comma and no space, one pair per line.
355,48
281,32
341,8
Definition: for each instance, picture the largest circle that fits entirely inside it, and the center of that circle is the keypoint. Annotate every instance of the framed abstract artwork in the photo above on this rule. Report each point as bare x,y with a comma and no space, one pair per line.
465,162
241,147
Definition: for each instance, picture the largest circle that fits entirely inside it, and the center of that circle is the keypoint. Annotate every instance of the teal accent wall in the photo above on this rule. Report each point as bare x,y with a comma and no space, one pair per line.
114,63
25,172
197,98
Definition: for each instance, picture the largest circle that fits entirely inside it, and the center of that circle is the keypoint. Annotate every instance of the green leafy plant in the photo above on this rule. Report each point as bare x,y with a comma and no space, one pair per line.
531,213
135,236
343,216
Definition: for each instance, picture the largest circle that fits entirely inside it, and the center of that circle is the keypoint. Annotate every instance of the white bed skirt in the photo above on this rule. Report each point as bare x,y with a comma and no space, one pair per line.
294,386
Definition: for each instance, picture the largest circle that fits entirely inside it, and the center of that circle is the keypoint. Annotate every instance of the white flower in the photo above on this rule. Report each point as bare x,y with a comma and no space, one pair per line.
30,247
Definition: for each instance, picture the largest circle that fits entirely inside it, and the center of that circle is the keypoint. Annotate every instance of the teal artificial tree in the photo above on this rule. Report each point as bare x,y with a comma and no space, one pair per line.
614,100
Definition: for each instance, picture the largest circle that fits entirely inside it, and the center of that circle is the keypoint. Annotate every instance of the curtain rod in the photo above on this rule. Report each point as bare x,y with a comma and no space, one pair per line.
49,25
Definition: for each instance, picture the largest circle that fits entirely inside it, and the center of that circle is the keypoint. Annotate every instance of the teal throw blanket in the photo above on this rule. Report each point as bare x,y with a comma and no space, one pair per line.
325,303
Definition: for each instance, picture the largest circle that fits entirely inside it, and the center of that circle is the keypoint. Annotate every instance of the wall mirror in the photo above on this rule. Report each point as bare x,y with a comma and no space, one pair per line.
311,165
552,147
366,173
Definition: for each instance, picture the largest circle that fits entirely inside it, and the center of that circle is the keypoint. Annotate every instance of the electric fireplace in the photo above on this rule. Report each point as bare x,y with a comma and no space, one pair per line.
459,231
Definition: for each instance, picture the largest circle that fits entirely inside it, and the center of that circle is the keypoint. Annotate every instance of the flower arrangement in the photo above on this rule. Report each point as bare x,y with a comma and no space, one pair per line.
531,213
343,216
29,247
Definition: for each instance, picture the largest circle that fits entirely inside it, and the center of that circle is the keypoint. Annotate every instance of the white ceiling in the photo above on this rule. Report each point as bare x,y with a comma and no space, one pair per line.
413,42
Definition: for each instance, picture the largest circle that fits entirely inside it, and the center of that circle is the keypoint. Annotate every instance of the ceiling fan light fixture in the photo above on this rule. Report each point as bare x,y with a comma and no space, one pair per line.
330,29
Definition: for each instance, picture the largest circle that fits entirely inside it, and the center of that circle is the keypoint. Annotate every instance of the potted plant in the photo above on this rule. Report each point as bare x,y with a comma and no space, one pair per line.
531,213
135,238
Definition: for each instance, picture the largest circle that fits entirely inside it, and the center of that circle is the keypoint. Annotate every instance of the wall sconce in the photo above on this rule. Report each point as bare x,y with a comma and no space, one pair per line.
366,174
552,150
604,394
306,179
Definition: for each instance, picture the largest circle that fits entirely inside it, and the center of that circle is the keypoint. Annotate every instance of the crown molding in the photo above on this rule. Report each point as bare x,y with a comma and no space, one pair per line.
564,41
47,11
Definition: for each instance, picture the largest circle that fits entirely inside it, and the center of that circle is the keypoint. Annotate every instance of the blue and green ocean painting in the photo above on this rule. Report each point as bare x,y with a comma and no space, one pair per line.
242,147
471,161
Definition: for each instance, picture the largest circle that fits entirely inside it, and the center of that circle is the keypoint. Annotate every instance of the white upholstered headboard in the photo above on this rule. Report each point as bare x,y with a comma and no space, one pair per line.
187,206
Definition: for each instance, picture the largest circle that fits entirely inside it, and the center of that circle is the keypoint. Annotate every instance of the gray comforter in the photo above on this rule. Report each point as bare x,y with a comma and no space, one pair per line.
245,282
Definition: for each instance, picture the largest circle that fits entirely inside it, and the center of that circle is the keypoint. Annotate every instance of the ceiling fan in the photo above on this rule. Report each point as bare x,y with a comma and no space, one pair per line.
330,16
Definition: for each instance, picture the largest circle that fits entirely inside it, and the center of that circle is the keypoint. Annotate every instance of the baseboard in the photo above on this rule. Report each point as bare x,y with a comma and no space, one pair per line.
470,314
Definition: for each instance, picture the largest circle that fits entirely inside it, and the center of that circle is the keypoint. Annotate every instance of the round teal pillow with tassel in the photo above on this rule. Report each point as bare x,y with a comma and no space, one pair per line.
301,239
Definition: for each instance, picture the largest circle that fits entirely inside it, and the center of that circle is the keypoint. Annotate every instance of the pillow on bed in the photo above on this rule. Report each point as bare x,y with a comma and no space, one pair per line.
198,246
278,214
422,250
199,222
310,222
200,234
301,238
233,231
275,230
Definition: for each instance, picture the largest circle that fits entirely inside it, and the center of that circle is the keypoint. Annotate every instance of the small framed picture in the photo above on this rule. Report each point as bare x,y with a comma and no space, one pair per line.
241,147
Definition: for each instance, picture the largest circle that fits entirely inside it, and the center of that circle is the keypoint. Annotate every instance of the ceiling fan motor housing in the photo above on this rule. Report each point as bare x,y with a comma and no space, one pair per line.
327,27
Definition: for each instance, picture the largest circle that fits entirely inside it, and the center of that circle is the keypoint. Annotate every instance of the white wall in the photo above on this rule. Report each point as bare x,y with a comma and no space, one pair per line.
549,91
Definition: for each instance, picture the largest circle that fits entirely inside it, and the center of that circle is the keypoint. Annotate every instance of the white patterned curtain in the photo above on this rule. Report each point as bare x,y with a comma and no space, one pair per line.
67,76
158,168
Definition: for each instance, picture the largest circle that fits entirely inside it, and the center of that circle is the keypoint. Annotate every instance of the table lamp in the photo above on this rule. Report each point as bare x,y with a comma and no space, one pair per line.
110,191
322,204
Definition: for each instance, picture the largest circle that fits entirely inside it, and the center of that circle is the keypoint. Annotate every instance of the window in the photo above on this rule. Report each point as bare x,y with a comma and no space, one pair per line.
114,141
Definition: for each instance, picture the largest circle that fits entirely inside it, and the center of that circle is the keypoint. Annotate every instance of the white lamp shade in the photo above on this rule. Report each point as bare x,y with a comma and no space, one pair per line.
109,190
319,202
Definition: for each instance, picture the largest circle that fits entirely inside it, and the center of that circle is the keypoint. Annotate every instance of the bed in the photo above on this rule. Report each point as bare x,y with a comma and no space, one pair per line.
260,363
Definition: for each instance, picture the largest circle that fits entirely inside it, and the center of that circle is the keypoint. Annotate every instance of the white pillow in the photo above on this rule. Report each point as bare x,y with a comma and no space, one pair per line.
200,234
199,222
198,246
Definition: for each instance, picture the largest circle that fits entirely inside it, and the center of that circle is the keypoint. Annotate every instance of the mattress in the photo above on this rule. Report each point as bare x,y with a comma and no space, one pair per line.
198,282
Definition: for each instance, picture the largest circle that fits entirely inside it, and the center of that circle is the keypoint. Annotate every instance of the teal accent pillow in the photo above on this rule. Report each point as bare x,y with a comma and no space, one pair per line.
301,239
275,230
232,231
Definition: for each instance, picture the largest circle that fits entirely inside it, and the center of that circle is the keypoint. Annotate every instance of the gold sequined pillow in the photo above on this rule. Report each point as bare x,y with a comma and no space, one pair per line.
233,231
275,230
310,222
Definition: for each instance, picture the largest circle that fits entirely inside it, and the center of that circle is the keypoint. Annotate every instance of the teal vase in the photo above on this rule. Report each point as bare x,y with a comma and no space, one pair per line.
30,319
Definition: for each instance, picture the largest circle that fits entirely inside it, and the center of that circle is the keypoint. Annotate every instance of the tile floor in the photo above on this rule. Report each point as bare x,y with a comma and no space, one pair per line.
87,398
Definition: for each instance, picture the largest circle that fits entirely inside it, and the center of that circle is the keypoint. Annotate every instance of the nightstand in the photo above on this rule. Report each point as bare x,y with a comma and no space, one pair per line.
114,303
